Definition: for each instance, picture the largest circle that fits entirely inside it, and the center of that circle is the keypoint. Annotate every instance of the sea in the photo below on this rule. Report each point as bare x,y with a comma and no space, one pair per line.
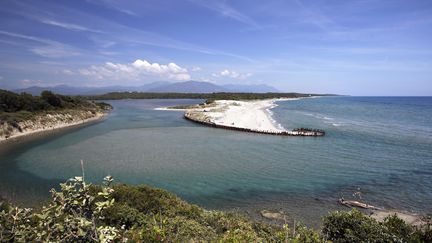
376,150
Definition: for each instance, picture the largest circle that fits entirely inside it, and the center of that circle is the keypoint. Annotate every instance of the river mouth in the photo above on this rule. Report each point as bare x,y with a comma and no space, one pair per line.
230,170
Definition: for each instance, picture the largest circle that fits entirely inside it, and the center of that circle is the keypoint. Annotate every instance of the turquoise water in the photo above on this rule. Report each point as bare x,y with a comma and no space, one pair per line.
381,147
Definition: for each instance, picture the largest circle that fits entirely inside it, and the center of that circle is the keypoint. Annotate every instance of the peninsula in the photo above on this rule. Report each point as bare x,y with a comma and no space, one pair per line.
247,116
24,114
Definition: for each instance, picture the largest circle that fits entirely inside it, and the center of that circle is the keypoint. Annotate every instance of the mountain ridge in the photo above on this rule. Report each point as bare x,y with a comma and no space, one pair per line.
157,87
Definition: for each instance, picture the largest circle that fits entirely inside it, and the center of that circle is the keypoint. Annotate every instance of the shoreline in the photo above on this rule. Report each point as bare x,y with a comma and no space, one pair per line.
167,109
56,128
270,113
258,110
253,116
246,116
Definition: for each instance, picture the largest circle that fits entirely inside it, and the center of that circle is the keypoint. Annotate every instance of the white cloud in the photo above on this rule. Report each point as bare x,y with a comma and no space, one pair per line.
50,48
136,70
204,79
196,69
68,26
109,53
30,82
55,51
67,72
226,10
116,5
108,44
1,77
232,74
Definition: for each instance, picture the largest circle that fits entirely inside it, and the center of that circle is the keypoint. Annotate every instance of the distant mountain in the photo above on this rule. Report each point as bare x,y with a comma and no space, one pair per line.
159,87
71,90
189,87
253,88
60,89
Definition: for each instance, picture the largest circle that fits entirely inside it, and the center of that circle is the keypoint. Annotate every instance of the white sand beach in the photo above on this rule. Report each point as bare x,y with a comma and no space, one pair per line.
254,115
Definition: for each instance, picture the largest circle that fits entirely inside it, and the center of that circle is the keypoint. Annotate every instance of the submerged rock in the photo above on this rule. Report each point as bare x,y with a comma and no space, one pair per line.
273,215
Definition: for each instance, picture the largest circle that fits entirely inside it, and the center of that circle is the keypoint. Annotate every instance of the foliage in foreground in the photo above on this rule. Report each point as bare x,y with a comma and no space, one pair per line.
81,212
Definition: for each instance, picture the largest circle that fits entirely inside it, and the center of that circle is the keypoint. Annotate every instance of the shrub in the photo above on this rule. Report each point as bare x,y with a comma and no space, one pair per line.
81,212
353,226
73,215
398,228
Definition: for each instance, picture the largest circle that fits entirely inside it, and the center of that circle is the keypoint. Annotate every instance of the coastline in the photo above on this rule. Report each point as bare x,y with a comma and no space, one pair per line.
54,128
167,109
270,113
253,115
246,116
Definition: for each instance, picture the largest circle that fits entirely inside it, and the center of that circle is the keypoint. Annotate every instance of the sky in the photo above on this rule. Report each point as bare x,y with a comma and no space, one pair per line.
355,47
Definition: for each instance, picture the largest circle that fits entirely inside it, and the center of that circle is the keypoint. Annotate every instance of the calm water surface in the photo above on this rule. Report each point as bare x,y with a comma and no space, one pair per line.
380,146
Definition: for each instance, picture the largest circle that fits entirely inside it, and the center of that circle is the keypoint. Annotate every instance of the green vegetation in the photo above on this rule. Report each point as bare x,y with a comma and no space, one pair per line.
354,226
19,107
12,102
206,96
81,212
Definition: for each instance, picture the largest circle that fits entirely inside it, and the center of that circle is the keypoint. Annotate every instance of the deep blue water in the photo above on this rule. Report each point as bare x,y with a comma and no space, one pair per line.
380,146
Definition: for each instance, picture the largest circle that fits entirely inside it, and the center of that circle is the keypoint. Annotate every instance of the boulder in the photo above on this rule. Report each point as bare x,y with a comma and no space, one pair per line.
273,215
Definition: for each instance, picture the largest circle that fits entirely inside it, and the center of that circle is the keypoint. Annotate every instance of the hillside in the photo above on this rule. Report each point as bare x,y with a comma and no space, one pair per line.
81,212
24,113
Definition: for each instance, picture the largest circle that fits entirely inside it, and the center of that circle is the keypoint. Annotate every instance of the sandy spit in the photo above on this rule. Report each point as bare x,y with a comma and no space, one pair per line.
254,115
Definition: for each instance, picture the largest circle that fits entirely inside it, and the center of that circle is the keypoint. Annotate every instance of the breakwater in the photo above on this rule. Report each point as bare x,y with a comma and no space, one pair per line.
191,116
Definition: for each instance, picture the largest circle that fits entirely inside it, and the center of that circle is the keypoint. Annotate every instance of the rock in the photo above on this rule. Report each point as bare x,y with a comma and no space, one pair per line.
273,215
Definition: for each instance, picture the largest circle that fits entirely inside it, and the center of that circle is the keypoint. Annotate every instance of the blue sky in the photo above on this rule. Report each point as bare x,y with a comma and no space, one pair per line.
357,47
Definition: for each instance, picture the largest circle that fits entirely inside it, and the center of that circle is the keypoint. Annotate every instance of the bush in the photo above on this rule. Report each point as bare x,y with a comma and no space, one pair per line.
81,212
12,102
16,108
353,226
398,228
73,215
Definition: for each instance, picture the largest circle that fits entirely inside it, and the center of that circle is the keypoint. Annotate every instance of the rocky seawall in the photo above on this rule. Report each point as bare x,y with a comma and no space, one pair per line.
45,122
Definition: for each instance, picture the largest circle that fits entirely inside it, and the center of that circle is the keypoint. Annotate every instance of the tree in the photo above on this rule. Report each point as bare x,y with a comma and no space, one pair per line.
51,98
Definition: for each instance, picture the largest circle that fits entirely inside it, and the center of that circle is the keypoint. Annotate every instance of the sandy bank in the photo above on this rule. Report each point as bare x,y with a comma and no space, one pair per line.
253,115
244,114
46,123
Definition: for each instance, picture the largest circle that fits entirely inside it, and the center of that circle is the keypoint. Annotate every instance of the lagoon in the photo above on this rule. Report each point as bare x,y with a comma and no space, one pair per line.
380,146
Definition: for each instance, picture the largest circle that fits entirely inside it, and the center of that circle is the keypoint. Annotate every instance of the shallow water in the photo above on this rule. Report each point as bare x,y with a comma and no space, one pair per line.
381,147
